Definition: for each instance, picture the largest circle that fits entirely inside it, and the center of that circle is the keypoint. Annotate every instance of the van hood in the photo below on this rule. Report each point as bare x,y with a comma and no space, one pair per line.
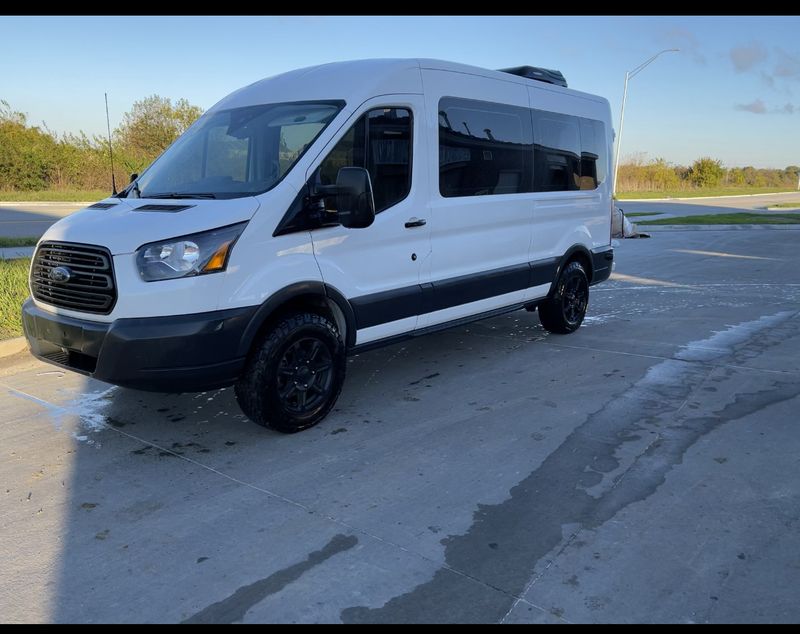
122,225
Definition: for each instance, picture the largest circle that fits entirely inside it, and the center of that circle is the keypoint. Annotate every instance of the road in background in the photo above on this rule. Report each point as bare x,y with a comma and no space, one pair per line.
704,206
22,220
643,469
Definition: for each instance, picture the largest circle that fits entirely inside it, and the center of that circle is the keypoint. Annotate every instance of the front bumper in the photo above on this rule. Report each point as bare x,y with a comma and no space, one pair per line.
180,353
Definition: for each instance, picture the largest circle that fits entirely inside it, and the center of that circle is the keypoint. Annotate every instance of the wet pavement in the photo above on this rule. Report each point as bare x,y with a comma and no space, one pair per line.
642,469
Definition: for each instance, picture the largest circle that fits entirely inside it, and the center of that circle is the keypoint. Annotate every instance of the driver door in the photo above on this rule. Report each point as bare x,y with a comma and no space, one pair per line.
379,268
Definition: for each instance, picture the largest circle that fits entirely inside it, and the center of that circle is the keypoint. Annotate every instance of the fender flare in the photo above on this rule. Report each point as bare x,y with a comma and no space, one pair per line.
575,248
286,294
348,312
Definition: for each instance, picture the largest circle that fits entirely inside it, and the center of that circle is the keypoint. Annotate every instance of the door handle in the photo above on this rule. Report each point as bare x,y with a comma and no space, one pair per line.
415,222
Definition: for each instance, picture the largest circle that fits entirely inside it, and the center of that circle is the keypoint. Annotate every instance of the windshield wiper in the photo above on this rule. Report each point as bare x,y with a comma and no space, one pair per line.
179,195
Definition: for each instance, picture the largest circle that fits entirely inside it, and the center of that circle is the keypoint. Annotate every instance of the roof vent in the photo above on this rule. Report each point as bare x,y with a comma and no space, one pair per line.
539,74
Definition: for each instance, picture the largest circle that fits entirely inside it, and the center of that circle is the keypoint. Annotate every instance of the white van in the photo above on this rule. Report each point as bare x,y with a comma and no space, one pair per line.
325,211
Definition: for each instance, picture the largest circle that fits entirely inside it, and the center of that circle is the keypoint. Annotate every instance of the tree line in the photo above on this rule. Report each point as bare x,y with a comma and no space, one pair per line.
33,158
638,175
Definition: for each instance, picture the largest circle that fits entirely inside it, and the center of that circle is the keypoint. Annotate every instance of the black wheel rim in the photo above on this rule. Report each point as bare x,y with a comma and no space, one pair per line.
305,375
575,299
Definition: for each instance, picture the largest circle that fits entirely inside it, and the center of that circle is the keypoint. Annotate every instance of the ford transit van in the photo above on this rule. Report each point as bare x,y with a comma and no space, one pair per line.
323,212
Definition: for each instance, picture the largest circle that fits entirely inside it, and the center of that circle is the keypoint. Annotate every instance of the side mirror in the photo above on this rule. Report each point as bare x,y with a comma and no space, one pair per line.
355,205
134,176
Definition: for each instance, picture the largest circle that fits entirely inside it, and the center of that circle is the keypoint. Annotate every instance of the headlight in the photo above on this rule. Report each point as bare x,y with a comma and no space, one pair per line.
196,254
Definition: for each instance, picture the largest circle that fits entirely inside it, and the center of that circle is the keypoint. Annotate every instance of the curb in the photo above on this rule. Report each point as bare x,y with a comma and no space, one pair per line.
13,346
657,228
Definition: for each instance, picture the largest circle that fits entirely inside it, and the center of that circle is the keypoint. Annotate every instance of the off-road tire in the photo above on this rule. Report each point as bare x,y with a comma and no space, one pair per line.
563,312
294,374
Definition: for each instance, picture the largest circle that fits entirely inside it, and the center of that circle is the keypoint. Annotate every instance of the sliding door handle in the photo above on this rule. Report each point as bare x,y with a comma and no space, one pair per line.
415,222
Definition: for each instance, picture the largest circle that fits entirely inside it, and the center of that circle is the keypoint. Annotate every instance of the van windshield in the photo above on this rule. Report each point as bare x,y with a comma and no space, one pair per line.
237,152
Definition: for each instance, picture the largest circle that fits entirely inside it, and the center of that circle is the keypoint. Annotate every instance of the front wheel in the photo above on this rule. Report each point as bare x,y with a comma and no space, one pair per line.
294,375
563,313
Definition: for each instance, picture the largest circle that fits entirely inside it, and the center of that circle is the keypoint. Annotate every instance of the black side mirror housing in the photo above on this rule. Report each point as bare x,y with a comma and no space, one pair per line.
134,176
355,204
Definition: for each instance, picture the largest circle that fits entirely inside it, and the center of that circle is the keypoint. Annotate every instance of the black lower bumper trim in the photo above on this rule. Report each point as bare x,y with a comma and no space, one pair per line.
181,353
602,263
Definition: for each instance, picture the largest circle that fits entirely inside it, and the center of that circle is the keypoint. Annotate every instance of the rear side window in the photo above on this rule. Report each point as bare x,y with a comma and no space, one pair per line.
570,152
557,151
594,161
484,148
379,141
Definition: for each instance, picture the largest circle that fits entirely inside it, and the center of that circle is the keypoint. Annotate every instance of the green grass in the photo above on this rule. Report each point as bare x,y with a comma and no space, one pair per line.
17,242
728,219
785,206
13,291
55,195
636,214
697,193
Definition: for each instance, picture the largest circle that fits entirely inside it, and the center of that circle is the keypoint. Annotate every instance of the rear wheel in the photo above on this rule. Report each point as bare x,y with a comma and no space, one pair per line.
564,311
294,375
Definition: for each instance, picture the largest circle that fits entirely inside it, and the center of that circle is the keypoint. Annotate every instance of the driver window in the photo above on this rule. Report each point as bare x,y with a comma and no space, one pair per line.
379,141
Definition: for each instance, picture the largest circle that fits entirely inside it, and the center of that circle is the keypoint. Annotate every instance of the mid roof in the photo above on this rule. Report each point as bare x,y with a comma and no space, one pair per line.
356,81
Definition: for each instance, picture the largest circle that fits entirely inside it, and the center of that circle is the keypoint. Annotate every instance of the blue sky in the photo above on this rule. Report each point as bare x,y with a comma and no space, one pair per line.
733,92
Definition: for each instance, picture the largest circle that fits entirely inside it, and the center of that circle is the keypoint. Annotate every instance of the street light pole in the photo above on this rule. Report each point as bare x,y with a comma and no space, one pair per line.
619,135
628,76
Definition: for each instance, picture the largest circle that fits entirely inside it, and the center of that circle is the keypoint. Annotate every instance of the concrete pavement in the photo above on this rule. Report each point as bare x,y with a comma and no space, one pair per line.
642,469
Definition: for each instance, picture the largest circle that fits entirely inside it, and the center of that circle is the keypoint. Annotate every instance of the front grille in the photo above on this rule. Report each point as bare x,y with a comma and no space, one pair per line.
90,287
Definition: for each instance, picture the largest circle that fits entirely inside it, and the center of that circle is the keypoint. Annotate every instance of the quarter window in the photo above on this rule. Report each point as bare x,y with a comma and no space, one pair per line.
557,151
570,152
593,155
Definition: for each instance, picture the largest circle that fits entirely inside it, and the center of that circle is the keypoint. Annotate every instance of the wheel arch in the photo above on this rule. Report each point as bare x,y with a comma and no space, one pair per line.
579,253
314,296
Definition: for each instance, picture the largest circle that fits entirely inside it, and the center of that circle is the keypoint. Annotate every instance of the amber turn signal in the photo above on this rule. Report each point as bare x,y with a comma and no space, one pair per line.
217,261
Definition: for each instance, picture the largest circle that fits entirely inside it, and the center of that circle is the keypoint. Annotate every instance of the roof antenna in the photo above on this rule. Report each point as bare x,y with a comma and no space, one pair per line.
110,151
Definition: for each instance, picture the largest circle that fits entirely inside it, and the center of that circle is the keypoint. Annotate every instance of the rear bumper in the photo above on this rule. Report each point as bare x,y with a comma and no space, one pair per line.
181,353
602,265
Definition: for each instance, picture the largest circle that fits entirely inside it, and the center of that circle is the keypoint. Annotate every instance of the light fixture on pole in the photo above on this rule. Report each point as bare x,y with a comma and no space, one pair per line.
628,76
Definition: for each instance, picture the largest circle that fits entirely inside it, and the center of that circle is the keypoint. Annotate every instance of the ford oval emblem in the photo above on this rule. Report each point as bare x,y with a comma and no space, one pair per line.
60,274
